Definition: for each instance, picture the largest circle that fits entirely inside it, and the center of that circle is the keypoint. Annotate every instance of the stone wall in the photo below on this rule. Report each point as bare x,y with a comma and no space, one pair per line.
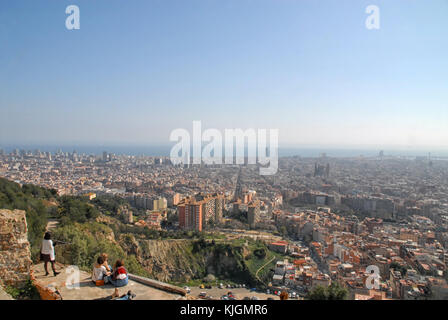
15,255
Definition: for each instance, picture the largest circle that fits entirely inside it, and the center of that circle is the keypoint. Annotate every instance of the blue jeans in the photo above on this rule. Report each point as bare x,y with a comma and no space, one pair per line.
117,283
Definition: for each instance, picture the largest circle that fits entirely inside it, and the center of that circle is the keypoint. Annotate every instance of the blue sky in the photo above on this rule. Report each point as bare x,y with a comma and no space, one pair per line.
136,70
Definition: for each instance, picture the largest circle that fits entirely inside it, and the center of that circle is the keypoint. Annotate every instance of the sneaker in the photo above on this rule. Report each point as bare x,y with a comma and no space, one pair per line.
56,273
131,295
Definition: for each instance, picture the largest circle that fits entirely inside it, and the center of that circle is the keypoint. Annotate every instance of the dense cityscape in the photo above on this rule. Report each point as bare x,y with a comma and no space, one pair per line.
329,218
193,154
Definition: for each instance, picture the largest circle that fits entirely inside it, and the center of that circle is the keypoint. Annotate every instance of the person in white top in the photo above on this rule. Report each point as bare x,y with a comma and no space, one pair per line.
99,270
47,254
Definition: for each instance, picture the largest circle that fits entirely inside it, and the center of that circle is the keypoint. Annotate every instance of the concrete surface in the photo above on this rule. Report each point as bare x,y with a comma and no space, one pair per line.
4,295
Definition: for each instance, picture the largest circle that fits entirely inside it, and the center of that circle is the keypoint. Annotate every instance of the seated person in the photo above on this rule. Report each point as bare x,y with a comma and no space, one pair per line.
119,277
99,270
106,263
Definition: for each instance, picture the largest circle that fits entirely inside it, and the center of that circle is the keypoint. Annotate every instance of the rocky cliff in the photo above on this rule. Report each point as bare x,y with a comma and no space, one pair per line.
15,252
184,260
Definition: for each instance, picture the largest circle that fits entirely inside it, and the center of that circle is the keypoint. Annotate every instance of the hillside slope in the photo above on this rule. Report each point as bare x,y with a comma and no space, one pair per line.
86,229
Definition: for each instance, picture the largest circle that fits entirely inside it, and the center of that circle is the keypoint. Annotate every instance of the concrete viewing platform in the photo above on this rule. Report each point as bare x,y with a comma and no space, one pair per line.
66,286
4,295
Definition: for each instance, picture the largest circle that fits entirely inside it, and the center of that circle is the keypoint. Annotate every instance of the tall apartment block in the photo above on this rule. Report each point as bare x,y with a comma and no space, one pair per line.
197,211
253,213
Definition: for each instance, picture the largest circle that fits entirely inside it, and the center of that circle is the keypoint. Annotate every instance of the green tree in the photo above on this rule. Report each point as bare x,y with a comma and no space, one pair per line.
30,199
317,293
396,266
336,292
333,292
283,231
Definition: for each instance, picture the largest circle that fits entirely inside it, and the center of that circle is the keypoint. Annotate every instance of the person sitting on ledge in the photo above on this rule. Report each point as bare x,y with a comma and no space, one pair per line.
99,270
119,277
106,263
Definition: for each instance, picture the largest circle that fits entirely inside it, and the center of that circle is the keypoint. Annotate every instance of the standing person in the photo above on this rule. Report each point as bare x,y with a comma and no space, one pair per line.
47,254
119,277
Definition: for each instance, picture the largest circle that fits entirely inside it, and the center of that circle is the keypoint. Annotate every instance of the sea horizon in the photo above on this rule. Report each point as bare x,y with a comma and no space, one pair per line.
164,150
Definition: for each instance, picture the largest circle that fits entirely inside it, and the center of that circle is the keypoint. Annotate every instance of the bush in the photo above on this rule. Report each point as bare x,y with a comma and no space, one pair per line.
333,292
260,253
27,292
85,243
75,209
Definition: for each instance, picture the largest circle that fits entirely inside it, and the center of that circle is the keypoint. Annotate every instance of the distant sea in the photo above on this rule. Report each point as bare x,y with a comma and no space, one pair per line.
164,151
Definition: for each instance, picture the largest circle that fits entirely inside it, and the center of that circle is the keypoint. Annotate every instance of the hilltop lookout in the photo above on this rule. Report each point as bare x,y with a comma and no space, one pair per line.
16,269
62,287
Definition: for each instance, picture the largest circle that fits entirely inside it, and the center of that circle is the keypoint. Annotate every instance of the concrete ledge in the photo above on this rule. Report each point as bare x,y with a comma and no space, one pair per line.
157,284
45,292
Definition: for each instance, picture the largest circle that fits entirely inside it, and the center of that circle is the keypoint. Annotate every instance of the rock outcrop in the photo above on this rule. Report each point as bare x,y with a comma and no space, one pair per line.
182,260
15,255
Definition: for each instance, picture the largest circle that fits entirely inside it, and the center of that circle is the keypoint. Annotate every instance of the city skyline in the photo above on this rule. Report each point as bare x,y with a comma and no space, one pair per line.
164,151
131,76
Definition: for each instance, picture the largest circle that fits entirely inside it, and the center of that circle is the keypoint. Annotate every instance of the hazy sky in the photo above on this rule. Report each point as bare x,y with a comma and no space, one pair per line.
136,70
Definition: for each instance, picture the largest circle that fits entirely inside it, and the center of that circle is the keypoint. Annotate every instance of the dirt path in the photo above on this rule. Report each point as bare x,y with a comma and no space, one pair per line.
263,266
52,224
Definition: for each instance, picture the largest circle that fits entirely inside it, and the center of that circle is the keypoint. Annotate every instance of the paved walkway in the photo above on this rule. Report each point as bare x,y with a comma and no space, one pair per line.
52,223
4,295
